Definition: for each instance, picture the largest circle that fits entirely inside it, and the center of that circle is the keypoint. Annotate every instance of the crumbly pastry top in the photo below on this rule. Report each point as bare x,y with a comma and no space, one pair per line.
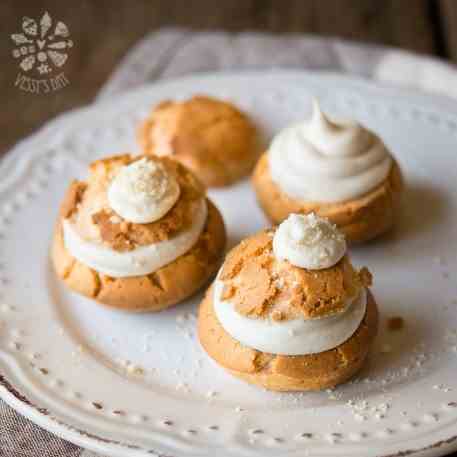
88,208
259,285
201,128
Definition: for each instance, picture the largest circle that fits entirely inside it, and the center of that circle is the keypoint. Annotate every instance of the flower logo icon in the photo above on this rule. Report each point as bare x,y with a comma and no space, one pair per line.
41,46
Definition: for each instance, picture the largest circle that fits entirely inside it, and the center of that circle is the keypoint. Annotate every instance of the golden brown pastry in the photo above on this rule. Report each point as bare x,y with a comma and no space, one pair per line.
211,137
340,171
161,244
286,327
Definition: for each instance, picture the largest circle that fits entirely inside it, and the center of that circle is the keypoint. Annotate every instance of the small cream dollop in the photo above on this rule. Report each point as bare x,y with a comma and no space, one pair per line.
309,241
143,191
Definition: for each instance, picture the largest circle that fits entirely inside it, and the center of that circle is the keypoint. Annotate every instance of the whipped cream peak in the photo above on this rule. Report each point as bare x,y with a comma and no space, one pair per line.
324,160
309,241
143,192
342,137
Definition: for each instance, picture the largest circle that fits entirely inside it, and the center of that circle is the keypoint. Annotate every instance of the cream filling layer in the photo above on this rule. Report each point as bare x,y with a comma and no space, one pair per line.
140,261
322,160
293,337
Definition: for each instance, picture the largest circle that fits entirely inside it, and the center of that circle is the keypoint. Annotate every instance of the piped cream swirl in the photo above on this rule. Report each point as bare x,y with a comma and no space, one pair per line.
323,160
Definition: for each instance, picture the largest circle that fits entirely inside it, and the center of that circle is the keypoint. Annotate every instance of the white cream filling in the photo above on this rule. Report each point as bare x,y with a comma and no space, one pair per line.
322,160
293,337
140,261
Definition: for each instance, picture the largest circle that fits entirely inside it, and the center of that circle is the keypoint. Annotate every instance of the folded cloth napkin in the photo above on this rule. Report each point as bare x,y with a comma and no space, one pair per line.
170,53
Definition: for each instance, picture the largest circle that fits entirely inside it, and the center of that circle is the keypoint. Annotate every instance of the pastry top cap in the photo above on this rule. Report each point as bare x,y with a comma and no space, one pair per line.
90,209
260,285
201,130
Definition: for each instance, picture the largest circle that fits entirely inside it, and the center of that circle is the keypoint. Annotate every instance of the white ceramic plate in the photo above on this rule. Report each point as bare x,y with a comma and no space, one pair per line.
63,359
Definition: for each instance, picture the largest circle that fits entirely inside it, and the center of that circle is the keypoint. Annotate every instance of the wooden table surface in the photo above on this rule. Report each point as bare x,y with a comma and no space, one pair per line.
104,30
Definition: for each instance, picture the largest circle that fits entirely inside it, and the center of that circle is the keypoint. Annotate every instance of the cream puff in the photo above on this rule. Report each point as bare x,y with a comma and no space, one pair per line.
139,235
337,169
211,137
288,311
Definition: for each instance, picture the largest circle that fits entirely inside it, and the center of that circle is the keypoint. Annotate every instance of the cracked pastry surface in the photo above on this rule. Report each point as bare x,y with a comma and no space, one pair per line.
260,285
263,288
85,205
211,137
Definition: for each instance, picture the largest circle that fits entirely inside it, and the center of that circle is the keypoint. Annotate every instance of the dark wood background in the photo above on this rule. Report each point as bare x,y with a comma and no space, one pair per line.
104,30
